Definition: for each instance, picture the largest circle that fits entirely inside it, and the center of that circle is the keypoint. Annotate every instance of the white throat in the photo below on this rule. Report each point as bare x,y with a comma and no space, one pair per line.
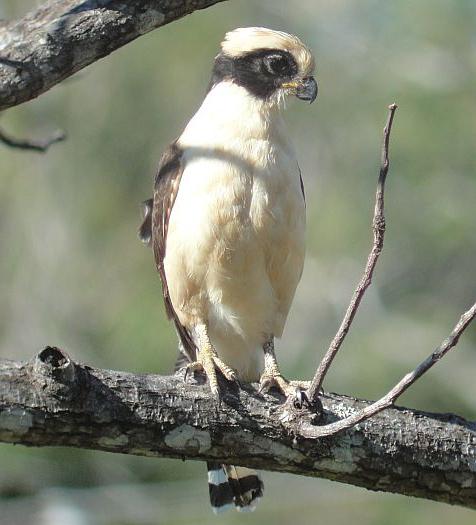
229,112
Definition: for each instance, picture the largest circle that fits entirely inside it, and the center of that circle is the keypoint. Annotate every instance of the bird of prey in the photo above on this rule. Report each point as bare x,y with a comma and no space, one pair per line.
227,224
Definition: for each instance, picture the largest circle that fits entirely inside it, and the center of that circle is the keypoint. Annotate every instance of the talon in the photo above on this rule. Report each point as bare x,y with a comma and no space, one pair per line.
265,384
227,371
191,368
270,380
215,392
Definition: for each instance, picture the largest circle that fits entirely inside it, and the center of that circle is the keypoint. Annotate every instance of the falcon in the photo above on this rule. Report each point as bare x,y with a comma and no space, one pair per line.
227,224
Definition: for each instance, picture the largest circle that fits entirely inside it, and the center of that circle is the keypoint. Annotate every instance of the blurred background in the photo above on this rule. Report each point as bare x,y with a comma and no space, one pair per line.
73,274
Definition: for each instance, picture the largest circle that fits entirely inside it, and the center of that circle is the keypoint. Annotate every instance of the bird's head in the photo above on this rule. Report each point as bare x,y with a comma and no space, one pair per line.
269,64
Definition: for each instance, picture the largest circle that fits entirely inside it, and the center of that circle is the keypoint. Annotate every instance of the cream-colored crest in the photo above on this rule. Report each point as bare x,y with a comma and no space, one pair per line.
247,39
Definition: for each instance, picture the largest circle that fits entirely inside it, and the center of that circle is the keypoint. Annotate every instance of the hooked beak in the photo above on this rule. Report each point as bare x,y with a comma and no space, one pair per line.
304,89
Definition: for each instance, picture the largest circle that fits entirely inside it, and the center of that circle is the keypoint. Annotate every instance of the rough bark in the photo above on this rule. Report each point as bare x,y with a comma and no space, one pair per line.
52,401
63,36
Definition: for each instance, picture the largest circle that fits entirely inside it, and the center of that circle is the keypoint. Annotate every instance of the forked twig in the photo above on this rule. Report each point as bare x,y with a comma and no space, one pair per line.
378,226
32,145
389,399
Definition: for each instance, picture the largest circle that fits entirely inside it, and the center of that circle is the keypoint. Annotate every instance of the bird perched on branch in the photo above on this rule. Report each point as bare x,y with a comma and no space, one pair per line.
227,224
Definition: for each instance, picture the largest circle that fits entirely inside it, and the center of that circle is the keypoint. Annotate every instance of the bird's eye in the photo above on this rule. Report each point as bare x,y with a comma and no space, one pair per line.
277,65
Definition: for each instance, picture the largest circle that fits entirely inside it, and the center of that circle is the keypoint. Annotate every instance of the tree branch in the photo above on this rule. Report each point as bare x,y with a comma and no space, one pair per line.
52,401
39,145
64,36
406,382
378,227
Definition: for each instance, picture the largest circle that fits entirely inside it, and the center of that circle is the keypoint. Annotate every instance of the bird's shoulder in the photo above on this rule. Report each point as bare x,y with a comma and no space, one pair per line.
170,167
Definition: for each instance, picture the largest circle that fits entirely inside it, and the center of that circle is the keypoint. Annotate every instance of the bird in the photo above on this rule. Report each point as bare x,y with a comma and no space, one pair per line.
227,225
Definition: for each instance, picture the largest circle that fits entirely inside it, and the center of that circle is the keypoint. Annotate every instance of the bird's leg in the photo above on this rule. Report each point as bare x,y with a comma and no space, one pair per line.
272,376
208,360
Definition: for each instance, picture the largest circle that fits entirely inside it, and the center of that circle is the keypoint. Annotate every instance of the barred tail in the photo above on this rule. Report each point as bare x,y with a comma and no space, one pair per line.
230,485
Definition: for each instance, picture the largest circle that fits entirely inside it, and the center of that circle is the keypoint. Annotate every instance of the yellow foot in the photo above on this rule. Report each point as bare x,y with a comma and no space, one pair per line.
292,390
271,377
208,362
269,380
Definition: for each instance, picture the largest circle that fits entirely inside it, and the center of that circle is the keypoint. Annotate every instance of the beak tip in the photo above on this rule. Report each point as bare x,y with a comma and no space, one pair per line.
307,90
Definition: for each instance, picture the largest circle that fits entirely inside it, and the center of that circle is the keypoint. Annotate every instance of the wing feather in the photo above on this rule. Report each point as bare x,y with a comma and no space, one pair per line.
167,182
145,229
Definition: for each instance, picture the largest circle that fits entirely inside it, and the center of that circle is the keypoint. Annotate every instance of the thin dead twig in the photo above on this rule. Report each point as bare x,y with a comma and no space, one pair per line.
40,146
389,399
378,226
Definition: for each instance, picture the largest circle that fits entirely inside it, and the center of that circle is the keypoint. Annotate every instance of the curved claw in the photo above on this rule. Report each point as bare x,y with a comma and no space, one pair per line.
264,386
227,371
191,368
269,380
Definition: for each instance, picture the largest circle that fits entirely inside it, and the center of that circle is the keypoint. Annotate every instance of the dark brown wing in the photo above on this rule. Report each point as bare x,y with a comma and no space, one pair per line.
166,188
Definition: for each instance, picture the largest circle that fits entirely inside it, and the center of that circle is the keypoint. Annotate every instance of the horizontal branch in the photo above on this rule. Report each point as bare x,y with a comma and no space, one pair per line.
52,401
63,36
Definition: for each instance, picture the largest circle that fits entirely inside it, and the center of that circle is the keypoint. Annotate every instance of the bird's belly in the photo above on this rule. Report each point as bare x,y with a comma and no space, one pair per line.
229,256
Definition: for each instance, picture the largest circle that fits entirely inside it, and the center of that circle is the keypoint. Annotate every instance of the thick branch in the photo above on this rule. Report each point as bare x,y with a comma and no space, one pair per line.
53,402
63,36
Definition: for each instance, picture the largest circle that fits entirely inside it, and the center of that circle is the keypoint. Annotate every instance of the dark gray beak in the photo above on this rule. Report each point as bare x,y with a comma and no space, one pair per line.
307,89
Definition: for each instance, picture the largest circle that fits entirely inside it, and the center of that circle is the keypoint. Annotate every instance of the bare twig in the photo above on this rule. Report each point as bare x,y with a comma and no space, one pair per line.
311,431
378,226
32,145
389,399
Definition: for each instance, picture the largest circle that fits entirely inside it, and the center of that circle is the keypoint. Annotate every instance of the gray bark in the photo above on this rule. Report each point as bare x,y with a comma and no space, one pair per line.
63,36
52,401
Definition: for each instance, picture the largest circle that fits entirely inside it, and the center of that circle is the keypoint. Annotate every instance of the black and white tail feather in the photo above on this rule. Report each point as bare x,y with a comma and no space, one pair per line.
230,486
